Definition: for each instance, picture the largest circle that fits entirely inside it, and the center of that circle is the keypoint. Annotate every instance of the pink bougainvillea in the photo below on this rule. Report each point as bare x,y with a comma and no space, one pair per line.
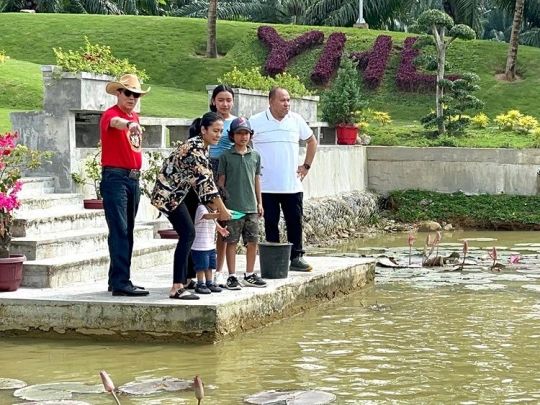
14,159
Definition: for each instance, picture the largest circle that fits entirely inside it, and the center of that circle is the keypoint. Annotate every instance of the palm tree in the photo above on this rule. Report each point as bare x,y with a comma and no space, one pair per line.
211,36
145,7
343,13
510,71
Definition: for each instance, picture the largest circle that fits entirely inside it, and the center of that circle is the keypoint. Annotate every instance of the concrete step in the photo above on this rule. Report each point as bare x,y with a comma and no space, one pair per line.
46,201
88,267
77,241
35,186
56,220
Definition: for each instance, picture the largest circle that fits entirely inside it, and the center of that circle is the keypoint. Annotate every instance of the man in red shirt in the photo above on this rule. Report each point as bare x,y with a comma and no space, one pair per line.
121,161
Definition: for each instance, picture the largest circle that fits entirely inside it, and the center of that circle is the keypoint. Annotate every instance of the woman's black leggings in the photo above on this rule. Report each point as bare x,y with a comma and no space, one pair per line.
182,223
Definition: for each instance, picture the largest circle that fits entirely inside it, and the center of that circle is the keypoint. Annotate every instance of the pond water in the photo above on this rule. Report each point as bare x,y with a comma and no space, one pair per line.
418,337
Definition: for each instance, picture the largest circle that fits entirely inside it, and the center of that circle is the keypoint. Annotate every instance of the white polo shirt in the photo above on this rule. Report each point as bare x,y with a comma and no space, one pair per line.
277,143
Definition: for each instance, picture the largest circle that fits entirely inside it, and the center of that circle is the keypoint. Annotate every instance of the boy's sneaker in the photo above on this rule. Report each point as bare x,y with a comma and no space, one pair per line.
219,279
233,284
214,288
253,281
299,264
202,289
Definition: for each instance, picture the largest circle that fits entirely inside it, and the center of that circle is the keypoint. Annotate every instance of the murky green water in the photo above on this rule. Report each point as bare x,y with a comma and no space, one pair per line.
393,344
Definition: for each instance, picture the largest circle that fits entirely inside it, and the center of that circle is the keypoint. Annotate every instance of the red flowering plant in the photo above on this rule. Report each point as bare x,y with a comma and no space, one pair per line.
15,159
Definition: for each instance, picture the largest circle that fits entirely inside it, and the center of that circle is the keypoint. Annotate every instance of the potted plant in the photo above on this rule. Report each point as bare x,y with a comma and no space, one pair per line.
14,160
91,177
77,80
342,105
251,87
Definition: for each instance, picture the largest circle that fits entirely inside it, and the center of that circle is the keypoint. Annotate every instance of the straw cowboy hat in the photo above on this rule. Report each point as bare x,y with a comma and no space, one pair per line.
127,82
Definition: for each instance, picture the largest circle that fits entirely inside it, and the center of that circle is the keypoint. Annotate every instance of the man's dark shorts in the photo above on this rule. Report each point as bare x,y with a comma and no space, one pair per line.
247,227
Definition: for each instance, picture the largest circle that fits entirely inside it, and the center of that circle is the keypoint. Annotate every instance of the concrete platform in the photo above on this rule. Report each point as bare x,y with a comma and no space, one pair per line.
88,311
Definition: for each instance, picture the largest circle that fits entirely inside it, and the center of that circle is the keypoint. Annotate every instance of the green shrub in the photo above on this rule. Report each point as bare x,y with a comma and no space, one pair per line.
253,79
344,103
96,59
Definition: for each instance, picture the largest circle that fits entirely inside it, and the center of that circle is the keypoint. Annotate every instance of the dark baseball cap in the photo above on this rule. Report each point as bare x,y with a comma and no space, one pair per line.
239,124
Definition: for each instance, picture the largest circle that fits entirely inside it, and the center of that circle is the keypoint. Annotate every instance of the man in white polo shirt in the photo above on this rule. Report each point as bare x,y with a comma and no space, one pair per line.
277,133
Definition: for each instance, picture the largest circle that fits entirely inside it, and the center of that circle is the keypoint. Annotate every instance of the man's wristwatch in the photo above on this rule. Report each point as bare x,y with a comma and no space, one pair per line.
307,166
128,124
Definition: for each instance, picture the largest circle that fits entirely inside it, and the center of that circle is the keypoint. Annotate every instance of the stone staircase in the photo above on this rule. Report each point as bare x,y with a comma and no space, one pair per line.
65,243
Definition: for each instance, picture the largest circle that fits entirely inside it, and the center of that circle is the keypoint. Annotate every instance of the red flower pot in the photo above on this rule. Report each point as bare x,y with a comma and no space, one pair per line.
168,234
346,134
93,204
11,272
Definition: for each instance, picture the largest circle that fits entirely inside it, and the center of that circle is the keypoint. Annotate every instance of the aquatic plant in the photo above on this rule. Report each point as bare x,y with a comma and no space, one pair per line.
514,259
199,389
108,385
436,242
493,255
411,241
424,256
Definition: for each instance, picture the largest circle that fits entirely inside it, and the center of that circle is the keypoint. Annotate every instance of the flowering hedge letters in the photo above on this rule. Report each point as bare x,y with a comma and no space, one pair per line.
373,62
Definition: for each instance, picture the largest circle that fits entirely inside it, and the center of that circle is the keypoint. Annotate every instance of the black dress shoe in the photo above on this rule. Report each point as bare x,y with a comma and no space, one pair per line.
137,287
130,291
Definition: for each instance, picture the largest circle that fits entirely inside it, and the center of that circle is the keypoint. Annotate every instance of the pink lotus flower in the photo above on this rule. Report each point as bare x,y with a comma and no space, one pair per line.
107,382
199,390
514,259
428,240
437,239
109,385
493,253
465,247
411,239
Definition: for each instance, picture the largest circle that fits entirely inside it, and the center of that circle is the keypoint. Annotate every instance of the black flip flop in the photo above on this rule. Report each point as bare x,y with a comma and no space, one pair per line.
178,295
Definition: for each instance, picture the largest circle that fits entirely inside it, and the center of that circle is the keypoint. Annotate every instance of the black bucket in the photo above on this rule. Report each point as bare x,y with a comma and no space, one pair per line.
274,259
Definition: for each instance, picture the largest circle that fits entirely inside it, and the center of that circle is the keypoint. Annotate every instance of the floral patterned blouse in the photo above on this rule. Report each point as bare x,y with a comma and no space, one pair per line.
187,167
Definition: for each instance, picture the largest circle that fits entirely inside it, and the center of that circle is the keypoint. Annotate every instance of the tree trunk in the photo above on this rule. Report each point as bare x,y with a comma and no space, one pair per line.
510,71
441,58
211,40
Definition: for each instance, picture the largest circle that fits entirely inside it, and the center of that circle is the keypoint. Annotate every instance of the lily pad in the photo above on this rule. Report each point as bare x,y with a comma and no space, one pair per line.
60,402
531,287
480,287
479,239
11,384
148,387
56,391
291,398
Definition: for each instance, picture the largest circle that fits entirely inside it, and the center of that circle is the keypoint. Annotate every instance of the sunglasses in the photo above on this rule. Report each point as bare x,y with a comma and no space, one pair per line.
128,93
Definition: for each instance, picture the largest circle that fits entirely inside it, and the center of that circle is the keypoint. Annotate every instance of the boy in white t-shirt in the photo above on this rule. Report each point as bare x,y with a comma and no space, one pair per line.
203,251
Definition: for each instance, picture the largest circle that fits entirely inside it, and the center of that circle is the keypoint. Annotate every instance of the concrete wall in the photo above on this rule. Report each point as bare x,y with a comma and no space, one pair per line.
447,170
249,102
336,170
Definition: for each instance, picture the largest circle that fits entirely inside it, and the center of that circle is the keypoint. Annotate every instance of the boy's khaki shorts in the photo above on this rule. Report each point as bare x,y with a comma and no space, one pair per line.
247,226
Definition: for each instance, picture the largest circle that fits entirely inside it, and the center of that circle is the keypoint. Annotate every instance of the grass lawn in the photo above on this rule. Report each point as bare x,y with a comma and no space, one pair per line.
413,134
171,50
